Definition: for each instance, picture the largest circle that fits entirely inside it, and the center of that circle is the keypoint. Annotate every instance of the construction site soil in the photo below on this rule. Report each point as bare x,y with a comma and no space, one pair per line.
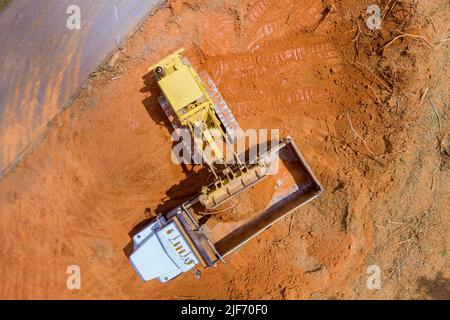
368,109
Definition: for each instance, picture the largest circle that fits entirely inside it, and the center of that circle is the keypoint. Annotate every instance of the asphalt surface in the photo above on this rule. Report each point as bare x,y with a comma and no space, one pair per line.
43,63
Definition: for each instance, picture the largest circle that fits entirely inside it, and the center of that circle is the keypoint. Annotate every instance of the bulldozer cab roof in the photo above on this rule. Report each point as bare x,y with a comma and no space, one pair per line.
180,88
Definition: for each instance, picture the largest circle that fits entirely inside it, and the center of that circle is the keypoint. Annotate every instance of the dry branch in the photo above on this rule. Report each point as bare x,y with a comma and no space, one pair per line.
383,82
329,10
357,134
422,97
376,95
407,35
437,115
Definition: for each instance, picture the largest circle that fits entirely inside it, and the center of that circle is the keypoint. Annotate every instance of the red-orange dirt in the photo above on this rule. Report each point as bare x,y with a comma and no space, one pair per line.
370,116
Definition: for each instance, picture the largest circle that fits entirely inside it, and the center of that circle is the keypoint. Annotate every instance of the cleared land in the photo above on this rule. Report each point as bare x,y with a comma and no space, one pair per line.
369,110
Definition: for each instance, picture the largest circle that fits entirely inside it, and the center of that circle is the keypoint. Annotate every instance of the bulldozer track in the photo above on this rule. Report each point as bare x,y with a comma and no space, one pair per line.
278,59
283,72
301,17
258,9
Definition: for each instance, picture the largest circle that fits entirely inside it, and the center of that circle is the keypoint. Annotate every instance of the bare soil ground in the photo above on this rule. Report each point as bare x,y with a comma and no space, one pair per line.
368,109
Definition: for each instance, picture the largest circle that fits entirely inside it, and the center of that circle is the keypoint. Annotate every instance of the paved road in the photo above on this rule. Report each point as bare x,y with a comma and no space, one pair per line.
43,63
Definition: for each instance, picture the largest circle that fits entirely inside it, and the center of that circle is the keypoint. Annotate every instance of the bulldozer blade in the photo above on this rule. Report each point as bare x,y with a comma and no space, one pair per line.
234,187
253,174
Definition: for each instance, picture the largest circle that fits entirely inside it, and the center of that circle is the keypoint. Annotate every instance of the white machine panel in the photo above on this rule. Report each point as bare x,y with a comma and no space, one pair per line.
162,254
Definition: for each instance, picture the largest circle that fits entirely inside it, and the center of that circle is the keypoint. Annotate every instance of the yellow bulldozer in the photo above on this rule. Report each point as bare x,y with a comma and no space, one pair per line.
179,240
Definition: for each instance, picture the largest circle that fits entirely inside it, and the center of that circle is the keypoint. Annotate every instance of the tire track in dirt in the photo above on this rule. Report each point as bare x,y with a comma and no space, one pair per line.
288,54
268,19
281,77
213,42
